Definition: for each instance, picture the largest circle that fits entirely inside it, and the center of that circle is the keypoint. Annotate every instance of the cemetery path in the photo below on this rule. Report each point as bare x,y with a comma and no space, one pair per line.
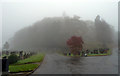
57,64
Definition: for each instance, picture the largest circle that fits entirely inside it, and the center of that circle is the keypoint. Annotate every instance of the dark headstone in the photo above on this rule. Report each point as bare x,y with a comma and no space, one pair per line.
21,54
87,51
101,51
92,52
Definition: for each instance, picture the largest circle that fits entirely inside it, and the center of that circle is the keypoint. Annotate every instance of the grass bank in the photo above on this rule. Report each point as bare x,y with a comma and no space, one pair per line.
26,65
32,59
22,68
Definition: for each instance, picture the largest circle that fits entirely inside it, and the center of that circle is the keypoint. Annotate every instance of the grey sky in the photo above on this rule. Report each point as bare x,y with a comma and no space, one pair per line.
16,15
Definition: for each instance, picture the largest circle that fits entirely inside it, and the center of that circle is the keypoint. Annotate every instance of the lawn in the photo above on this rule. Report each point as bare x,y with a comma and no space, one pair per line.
26,65
32,59
22,68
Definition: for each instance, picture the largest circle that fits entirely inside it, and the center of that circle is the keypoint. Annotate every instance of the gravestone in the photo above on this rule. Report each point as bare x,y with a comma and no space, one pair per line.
21,54
25,55
87,51
92,52
101,51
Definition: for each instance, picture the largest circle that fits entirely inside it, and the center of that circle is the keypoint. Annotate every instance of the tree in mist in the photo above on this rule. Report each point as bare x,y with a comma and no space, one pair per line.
48,33
53,32
104,33
6,46
75,44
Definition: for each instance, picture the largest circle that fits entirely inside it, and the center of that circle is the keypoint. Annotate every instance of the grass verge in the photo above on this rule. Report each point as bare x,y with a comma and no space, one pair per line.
22,68
26,65
32,59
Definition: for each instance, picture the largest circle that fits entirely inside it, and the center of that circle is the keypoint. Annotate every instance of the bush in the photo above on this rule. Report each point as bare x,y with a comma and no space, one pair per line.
13,58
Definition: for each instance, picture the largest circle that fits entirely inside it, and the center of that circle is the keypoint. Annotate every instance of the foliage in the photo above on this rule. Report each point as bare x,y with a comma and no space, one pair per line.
75,44
13,58
104,32
52,32
22,68
32,59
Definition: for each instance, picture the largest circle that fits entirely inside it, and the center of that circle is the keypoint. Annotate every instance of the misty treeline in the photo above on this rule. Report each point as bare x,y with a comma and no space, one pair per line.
52,33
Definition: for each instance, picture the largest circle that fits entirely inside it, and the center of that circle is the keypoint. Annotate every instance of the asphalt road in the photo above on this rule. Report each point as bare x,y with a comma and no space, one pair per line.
57,64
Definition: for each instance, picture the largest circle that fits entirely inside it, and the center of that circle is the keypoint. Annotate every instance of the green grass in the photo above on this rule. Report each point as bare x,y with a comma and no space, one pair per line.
32,59
96,54
22,68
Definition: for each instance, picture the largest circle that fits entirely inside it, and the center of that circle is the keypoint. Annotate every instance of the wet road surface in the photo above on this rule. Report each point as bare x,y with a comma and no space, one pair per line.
57,64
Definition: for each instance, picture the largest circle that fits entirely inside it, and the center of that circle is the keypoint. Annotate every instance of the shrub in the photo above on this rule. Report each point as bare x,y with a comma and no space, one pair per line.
13,58
75,44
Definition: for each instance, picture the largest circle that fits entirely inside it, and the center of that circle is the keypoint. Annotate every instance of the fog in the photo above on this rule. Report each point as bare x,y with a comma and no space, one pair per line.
42,24
53,32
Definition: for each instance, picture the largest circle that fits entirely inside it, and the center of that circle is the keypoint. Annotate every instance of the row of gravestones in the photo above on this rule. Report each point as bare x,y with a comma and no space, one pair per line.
26,55
22,54
96,51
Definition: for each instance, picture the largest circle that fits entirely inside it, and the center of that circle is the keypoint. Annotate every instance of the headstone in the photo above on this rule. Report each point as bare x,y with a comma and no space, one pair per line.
21,54
92,52
96,51
87,51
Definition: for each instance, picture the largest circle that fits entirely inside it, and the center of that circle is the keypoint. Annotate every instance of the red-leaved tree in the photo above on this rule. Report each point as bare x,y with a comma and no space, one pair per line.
75,44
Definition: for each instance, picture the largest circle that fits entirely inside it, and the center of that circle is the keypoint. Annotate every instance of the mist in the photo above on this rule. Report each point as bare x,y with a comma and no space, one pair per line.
21,18
53,32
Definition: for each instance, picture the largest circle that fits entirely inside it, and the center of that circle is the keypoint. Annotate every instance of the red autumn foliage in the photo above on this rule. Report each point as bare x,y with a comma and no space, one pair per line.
75,44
